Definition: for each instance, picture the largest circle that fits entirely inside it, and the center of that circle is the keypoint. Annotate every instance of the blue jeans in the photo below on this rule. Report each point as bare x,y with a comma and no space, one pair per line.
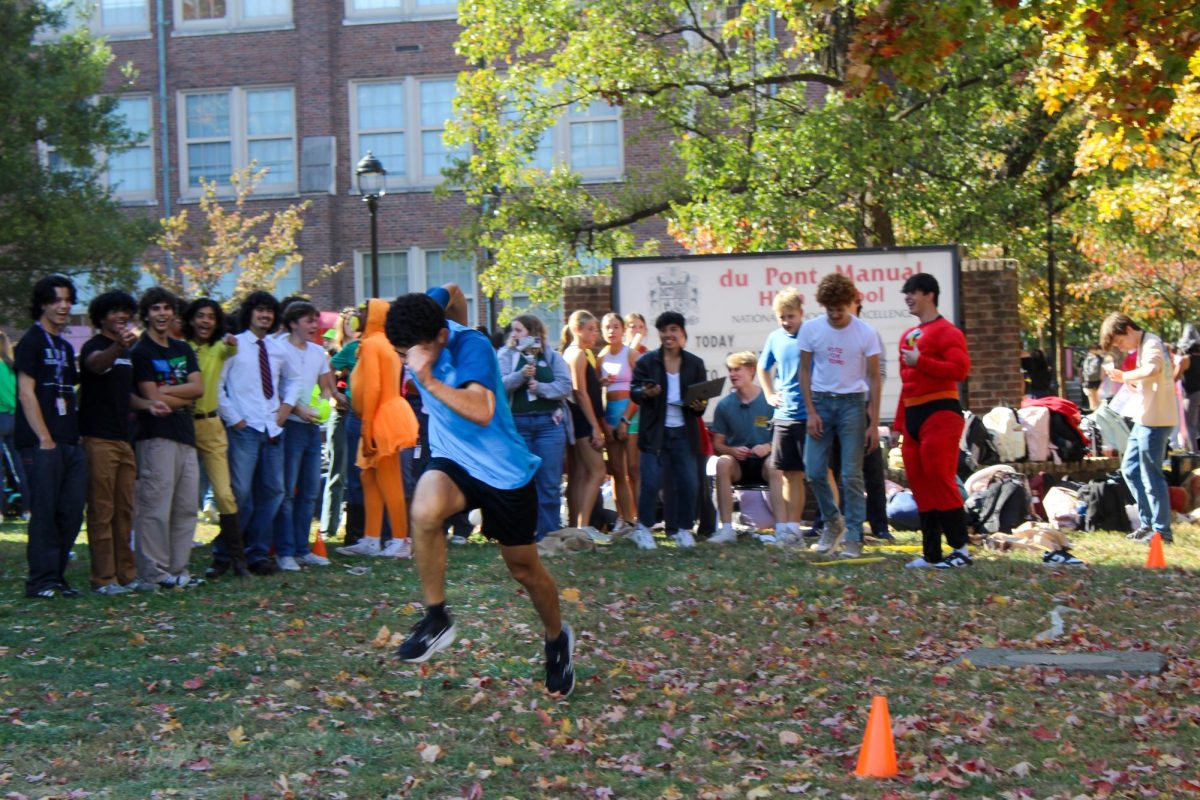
845,420
301,486
1142,468
548,439
677,460
256,472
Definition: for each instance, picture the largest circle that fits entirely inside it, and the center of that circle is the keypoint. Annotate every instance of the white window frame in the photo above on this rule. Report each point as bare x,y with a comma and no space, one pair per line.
400,10
239,140
235,19
418,278
414,176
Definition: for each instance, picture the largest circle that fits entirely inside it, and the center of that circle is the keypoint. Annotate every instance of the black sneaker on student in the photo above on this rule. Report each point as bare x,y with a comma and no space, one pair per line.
955,559
427,637
560,663
1063,556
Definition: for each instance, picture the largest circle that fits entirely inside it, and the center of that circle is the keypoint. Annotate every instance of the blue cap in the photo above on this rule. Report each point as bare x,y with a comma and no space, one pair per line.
440,295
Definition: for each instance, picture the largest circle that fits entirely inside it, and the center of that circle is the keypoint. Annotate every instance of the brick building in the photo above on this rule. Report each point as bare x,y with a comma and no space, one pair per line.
306,88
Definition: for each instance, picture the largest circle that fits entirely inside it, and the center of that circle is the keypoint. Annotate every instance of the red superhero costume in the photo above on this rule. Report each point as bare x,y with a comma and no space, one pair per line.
930,417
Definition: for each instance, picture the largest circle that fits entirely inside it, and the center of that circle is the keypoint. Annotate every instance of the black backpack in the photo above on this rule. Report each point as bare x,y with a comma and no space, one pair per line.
1065,438
1004,505
977,442
1106,499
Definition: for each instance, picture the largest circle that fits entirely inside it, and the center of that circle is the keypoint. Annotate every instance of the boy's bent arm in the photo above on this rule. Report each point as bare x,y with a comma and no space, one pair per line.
473,402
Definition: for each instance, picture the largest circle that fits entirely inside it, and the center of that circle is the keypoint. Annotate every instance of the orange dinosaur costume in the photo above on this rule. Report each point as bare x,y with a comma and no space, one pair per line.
388,425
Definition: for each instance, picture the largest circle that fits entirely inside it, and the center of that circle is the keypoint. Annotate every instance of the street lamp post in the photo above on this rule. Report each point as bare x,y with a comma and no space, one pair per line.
1050,288
371,175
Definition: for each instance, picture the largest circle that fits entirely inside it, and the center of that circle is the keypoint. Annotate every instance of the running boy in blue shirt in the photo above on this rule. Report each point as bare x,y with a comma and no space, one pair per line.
479,461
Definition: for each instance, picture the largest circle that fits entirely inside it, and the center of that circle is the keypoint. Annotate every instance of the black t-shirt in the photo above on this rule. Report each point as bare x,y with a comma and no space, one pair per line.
104,398
166,366
50,361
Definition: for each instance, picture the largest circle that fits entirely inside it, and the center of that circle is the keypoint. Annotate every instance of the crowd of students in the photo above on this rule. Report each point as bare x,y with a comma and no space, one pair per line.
131,429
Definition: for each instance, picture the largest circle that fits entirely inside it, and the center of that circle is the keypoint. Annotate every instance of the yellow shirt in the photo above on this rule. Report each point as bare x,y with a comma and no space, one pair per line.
212,361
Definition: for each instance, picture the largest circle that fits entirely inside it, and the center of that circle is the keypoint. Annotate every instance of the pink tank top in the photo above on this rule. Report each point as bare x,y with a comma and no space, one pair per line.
616,366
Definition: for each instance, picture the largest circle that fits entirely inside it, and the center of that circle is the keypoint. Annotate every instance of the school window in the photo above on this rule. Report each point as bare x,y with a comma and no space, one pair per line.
586,139
415,269
130,173
199,16
287,284
388,10
402,123
441,268
227,130
112,18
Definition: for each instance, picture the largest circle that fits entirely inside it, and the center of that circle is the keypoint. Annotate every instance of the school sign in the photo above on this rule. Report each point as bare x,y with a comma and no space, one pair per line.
727,298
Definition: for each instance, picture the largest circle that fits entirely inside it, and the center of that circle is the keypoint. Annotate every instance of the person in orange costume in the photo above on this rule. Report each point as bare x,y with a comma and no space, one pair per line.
388,426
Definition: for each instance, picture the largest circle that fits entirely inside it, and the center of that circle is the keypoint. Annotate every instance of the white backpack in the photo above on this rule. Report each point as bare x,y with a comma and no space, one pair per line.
1007,431
1036,421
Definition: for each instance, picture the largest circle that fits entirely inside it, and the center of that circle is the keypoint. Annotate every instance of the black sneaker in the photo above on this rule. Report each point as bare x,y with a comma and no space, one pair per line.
1063,556
427,637
560,666
955,559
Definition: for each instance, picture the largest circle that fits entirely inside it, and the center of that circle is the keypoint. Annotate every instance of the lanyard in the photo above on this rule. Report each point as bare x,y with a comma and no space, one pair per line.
60,362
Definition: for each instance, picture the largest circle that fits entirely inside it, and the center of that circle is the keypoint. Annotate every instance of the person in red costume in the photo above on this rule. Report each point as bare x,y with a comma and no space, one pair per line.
933,360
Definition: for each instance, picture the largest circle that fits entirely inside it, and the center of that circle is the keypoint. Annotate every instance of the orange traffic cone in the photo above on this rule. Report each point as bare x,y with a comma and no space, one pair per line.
877,758
1155,559
318,546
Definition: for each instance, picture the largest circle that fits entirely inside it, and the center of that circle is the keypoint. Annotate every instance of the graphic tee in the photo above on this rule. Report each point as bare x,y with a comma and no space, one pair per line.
104,397
50,361
839,355
166,366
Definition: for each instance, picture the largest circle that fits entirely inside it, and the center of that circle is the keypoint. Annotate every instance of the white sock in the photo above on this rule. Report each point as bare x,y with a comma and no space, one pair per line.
782,527
727,526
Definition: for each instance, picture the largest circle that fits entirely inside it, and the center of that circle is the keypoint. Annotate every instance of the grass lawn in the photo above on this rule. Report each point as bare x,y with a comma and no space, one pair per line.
743,672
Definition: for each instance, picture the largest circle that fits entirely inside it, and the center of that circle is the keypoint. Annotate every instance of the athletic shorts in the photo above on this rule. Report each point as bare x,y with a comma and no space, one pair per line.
752,472
509,515
614,411
787,444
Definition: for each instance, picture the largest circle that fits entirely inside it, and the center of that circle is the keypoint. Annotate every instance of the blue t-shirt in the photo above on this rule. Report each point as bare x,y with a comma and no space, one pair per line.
745,425
494,453
783,352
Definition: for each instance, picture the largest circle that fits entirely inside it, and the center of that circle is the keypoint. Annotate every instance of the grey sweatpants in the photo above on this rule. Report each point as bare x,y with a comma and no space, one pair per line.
165,517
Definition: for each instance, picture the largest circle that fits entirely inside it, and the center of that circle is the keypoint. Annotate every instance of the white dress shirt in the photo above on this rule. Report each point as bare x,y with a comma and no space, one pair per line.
241,395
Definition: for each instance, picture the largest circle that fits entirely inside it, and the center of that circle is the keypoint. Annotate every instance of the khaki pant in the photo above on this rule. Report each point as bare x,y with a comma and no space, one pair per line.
167,486
112,471
213,448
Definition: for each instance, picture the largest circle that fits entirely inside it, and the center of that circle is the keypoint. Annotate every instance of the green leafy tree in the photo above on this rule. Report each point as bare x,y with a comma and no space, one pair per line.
753,158
57,220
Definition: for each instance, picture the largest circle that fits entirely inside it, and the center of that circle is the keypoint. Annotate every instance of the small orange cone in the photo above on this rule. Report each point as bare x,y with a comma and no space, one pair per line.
1155,559
877,758
318,546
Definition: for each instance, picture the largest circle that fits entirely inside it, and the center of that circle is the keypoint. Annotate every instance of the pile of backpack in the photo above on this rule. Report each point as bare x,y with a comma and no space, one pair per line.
1044,429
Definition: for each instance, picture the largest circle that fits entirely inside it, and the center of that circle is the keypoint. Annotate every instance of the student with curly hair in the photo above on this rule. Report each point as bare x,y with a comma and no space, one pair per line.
839,377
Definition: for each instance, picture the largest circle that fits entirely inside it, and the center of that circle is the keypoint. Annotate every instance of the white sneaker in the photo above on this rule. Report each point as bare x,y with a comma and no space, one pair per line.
919,563
287,563
396,548
684,539
313,560
643,538
767,538
458,540
723,536
595,535
831,537
622,528
366,546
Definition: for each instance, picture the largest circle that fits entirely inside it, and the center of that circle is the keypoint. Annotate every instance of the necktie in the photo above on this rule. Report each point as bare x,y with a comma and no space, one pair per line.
264,370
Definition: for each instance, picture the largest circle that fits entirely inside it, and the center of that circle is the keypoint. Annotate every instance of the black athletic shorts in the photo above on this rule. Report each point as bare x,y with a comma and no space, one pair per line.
787,444
509,515
752,472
